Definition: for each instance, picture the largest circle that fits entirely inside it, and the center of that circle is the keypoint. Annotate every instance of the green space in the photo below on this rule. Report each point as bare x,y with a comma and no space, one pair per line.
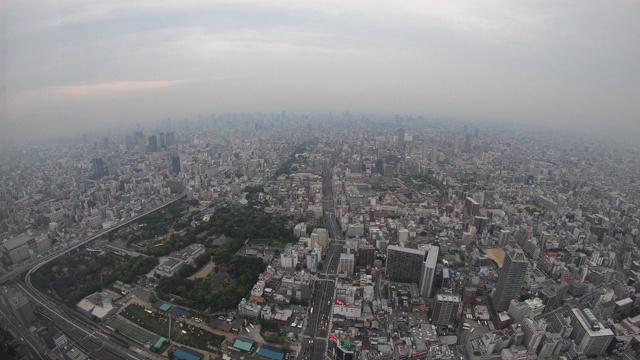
271,332
155,224
289,166
420,182
128,330
242,223
208,293
73,277
158,323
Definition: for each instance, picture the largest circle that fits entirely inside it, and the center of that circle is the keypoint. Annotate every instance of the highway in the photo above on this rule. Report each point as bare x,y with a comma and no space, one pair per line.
85,337
14,273
319,324
22,333
320,320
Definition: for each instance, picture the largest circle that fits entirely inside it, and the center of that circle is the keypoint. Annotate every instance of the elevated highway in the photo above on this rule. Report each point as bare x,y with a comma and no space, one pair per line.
35,265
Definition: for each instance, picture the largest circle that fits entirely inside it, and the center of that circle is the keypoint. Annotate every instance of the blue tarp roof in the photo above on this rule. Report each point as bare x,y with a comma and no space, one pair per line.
185,353
271,352
178,312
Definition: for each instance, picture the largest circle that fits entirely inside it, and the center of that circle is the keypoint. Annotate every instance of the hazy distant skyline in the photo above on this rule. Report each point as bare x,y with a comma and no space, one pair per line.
81,64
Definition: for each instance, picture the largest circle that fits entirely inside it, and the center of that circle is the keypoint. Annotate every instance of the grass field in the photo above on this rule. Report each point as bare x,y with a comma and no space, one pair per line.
128,330
159,323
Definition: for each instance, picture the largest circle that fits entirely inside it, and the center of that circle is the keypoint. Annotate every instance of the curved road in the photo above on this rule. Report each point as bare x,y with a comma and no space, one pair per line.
34,266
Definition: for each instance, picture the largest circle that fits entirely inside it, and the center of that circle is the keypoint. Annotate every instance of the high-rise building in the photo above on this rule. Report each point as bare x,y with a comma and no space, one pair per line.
347,262
170,138
533,332
142,149
472,206
590,336
504,237
153,143
99,170
163,142
428,270
22,308
128,142
445,309
404,264
366,255
400,140
416,266
512,276
467,142
551,345
176,164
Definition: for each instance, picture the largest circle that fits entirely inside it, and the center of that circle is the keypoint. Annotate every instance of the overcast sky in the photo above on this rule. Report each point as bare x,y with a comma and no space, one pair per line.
79,64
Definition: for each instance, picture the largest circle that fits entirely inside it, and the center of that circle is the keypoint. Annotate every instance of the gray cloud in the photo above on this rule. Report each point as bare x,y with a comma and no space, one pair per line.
75,64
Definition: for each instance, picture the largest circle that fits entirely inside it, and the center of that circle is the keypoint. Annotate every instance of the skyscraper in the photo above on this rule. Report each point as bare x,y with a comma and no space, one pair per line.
512,275
416,266
404,264
590,335
176,164
22,308
142,149
170,139
129,142
163,143
428,270
99,171
400,140
445,309
346,263
153,143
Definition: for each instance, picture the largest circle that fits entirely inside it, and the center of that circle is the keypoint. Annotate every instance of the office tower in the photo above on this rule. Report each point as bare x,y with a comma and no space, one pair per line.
561,325
404,264
176,164
99,171
445,309
412,266
128,142
347,262
153,143
590,336
22,308
366,255
512,275
400,140
428,270
504,237
105,143
533,332
467,142
163,142
170,138
142,149
472,206
551,345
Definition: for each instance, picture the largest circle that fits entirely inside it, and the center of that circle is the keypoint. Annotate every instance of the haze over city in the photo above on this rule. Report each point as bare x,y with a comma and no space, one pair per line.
336,180
72,66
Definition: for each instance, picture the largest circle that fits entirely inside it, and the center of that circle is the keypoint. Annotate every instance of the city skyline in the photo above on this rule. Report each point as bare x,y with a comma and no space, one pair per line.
73,66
